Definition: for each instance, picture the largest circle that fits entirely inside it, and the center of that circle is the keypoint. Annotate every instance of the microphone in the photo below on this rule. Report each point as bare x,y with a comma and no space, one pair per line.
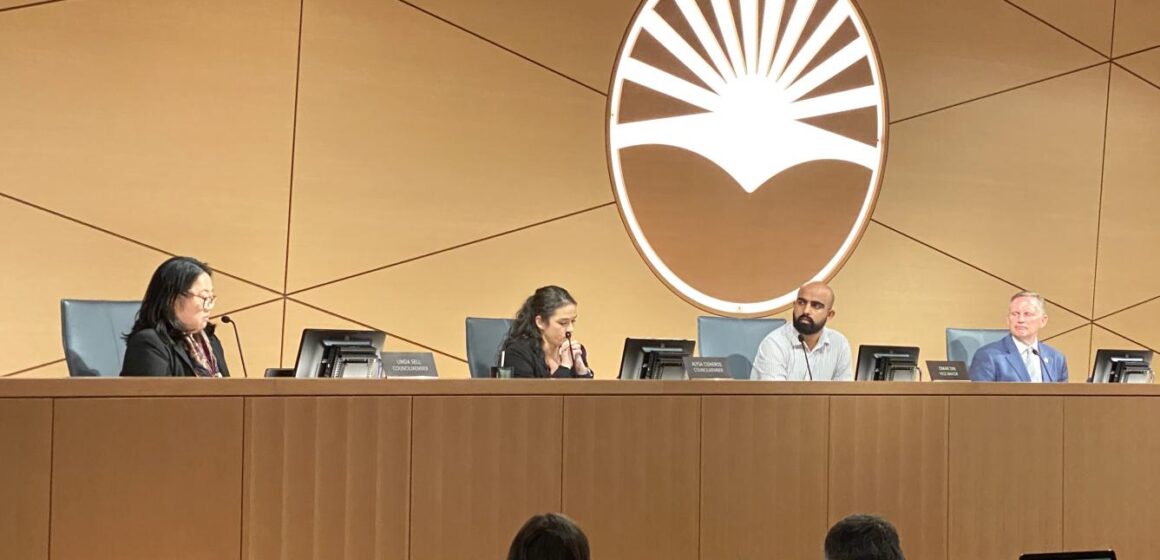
568,335
802,339
1042,365
226,319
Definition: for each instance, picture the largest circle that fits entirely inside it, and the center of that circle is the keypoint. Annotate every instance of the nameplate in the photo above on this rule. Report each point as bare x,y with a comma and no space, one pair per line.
706,368
947,371
409,364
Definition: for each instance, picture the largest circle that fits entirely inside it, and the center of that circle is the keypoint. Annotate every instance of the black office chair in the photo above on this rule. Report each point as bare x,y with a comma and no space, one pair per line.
94,335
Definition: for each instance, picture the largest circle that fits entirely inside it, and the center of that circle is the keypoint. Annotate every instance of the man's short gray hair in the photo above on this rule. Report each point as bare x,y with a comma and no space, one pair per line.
1040,304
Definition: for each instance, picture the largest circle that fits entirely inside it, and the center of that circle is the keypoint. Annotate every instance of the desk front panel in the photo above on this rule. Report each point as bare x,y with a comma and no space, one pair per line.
25,466
430,470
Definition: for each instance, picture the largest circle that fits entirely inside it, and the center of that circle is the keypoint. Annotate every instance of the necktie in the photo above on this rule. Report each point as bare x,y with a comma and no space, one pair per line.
1032,362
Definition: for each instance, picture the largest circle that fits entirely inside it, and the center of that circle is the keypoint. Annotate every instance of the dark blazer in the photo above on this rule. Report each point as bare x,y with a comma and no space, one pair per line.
1000,361
147,355
524,359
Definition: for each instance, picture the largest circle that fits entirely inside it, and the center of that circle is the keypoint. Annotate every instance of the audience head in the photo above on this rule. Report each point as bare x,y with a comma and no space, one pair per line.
813,307
1026,314
179,298
546,315
863,537
549,536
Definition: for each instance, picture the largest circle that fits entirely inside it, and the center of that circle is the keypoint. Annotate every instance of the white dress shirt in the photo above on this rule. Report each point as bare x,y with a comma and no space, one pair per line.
782,357
1030,359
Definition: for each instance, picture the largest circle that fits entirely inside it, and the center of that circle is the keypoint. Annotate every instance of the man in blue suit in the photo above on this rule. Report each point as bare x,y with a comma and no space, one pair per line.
1020,356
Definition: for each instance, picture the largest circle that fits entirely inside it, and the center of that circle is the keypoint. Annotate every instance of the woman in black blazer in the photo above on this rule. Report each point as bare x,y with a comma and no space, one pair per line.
539,343
172,335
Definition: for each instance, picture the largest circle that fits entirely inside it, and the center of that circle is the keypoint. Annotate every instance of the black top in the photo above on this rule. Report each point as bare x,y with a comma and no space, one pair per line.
147,355
524,359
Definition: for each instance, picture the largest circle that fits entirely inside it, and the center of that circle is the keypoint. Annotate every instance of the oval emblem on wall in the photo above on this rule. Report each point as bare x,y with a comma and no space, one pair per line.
746,142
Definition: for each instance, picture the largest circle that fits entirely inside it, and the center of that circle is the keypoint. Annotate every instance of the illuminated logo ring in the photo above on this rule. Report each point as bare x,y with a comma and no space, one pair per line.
751,81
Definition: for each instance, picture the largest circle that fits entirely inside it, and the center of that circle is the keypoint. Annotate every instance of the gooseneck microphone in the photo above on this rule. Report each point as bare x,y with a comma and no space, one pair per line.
237,337
568,335
802,339
1042,365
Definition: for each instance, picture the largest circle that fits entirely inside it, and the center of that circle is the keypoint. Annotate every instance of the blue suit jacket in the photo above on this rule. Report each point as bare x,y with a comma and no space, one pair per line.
1000,361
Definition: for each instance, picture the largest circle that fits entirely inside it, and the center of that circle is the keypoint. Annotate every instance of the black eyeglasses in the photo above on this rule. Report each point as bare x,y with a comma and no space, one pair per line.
207,299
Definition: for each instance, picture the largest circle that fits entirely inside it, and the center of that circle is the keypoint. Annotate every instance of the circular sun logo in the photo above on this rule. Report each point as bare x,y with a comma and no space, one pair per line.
746,141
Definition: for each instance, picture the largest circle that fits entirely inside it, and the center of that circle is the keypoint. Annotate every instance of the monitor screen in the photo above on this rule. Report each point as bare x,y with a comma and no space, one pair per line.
887,363
338,353
1087,555
654,358
1122,366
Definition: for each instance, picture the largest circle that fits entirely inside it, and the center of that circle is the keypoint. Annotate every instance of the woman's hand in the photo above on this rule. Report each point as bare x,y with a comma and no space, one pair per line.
572,356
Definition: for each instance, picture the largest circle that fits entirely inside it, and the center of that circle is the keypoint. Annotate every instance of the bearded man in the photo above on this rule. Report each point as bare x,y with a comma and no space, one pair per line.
805,350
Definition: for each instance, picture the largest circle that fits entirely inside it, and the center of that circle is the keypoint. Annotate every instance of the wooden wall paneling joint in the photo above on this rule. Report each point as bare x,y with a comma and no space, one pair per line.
25,468
1005,484
1111,454
481,466
327,478
764,470
146,478
888,456
631,474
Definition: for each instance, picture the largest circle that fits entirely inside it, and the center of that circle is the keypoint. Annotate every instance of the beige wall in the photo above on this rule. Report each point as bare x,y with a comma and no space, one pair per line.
404,165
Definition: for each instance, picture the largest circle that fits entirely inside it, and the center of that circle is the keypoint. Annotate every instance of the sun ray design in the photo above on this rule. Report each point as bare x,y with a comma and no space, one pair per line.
793,31
770,26
696,20
724,13
757,87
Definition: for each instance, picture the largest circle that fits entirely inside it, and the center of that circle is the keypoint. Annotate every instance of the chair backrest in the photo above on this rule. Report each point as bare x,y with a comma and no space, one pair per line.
734,339
93,334
484,337
963,343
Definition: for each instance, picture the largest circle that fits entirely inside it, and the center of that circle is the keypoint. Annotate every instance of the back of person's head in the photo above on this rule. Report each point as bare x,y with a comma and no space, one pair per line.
173,278
549,536
863,537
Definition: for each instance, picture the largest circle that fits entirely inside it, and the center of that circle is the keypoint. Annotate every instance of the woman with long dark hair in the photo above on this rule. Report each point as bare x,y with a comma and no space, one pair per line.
539,343
172,335
549,536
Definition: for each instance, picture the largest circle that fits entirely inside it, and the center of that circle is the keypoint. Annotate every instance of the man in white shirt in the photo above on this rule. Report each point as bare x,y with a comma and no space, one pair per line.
805,350
1020,356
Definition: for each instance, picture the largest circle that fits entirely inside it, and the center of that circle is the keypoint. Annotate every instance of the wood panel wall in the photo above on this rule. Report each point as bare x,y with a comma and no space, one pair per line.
462,135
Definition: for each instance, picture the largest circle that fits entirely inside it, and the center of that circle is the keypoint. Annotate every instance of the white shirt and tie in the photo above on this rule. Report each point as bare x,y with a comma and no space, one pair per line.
1030,355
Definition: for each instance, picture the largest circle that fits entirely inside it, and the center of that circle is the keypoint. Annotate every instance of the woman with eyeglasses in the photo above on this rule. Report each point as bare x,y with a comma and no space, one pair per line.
172,335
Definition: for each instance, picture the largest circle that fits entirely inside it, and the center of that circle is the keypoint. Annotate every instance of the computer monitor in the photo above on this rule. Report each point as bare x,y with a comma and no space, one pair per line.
654,358
339,353
887,363
1122,366
1086,555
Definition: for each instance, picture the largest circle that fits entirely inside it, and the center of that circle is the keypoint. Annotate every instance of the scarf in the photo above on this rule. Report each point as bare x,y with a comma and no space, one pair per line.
198,347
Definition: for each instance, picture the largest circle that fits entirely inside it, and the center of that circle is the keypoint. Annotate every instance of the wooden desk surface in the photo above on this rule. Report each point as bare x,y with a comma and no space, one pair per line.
257,387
